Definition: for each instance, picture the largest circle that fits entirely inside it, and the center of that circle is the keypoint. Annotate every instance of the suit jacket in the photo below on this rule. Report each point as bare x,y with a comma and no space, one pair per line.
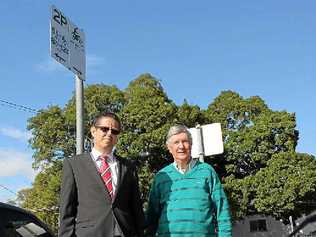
86,208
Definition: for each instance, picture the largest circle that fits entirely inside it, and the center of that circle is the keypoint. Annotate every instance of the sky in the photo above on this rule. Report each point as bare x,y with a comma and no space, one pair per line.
195,48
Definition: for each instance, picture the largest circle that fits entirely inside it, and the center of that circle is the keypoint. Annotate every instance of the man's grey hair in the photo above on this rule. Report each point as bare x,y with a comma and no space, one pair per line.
176,129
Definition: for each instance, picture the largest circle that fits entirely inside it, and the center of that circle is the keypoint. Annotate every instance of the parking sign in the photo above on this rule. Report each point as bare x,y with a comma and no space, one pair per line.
67,43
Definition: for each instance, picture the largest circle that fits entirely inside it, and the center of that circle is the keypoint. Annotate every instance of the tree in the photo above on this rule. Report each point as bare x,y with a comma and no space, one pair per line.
43,197
53,129
252,133
287,184
256,139
190,115
257,168
52,136
146,118
97,98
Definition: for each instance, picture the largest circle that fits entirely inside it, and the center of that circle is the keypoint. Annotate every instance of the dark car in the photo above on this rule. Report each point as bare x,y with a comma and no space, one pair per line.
17,222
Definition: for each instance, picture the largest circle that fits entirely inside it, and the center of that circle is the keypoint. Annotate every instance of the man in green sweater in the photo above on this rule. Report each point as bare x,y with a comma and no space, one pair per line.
186,197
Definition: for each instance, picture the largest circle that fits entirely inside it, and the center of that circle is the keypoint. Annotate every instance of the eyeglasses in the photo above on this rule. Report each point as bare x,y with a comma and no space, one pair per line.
106,129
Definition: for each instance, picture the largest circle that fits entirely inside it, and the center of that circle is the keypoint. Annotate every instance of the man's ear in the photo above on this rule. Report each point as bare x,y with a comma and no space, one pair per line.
168,147
92,131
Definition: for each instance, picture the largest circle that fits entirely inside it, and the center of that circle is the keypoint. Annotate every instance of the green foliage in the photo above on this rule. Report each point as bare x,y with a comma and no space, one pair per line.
239,194
148,107
189,115
51,136
234,112
260,170
146,118
43,198
252,133
254,136
97,98
250,148
54,129
286,183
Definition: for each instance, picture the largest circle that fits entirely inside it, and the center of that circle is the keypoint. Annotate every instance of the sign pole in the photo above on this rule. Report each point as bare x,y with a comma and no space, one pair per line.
79,115
200,143
67,46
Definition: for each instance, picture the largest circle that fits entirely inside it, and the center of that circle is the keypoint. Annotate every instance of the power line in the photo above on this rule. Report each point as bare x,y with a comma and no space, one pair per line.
9,190
17,106
43,209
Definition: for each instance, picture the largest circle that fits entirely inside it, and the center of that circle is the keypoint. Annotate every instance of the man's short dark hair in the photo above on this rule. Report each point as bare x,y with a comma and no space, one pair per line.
107,114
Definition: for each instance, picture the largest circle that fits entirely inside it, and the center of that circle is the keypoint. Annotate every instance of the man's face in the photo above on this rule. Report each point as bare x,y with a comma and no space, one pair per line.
180,148
103,133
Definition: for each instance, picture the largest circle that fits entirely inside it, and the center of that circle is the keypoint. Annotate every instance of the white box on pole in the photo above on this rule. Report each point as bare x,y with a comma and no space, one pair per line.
211,138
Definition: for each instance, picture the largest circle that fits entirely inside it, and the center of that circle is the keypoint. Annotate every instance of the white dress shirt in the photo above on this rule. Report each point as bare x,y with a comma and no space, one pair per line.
113,163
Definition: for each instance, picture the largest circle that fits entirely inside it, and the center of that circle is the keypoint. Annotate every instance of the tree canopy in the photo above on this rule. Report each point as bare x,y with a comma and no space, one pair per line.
259,168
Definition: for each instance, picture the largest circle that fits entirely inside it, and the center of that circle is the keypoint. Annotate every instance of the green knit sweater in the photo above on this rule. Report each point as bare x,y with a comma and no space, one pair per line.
185,204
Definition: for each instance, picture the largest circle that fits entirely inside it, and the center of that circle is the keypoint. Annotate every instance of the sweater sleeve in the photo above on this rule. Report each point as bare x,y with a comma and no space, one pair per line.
220,202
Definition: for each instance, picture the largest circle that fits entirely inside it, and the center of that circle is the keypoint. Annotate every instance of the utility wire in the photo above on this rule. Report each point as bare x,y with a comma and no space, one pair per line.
18,107
43,209
9,190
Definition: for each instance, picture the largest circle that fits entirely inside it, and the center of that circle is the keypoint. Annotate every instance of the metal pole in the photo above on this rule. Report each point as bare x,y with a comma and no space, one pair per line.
79,115
200,143
291,224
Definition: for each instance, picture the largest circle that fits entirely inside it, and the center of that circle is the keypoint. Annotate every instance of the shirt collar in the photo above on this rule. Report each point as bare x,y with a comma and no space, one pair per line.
96,154
190,166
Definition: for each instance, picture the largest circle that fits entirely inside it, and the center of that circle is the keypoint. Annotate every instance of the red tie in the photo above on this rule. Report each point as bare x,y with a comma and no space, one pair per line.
105,172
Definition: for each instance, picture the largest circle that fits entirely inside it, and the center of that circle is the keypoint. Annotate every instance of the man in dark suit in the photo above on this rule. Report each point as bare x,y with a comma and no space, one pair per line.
91,208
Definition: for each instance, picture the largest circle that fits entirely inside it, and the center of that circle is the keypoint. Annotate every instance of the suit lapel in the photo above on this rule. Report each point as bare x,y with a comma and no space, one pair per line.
121,173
